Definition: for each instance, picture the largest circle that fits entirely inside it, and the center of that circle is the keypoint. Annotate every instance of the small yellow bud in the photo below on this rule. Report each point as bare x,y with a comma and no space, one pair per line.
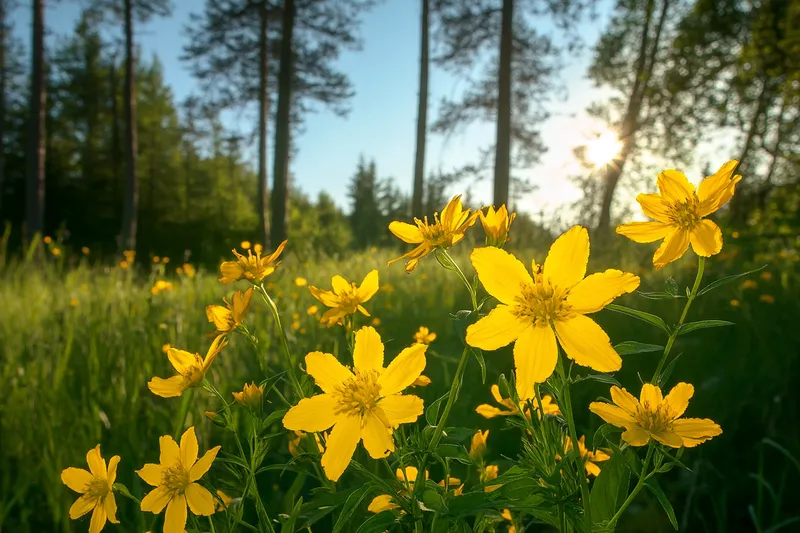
477,448
496,225
250,396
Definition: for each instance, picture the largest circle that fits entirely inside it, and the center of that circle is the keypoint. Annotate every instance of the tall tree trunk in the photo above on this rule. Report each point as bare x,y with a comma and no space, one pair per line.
263,114
35,186
115,151
502,157
283,128
131,202
422,115
3,38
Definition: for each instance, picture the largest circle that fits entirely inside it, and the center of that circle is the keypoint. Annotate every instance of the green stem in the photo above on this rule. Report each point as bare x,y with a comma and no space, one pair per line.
454,390
211,525
463,277
701,263
284,341
642,478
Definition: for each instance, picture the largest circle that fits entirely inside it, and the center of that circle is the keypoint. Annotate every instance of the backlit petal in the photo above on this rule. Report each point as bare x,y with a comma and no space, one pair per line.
497,329
678,398
673,248
175,517
598,290
566,262
156,500
201,467
99,518
200,501
340,446
654,206
696,428
500,273
535,356
112,469
401,408
587,344
167,388
624,399
340,285
644,232
368,287
82,505
170,452
612,414
716,190
111,508
706,238
77,479
327,371
376,436
368,351
403,370
636,437
668,438
182,360
189,448
97,465
326,297
406,232
312,414
151,474
674,186
490,411
650,396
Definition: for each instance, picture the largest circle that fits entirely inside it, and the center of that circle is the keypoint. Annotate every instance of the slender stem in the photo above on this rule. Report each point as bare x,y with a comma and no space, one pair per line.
211,525
454,390
292,363
701,263
463,277
642,478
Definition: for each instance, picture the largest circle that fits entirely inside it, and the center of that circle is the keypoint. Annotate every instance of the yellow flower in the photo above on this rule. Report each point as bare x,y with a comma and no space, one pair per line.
376,321
245,245
161,286
224,501
421,381
506,514
749,284
85,250
767,298
766,276
300,282
165,260
95,487
735,303
253,268
490,411
191,369
74,302
189,270
165,348
250,396
228,318
130,255
175,480
488,474
313,310
534,311
442,233
47,239
496,225
590,457
735,234
424,335
477,447
123,265
679,213
407,477
345,298
298,436
653,416
452,483
365,405
156,259
56,251
296,325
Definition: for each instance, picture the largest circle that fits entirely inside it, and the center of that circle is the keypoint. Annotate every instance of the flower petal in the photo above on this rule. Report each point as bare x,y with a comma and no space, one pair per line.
497,329
716,190
403,370
340,285
312,414
77,479
111,508
674,186
326,297
651,396
406,232
112,469
566,261
382,503
175,518
182,360
155,501
97,465
706,238
598,290
673,248
501,274
82,505
201,467
636,437
490,411
200,501
167,388
170,452
99,519
668,438
189,448
151,474
678,398
696,428
376,436
340,446
612,414
625,400
643,232
592,469
327,371
654,206
368,287
401,408
587,344
535,356
368,351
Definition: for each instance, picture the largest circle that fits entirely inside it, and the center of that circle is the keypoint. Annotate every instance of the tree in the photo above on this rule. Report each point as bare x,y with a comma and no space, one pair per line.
364,211
502,158
417,208
35,180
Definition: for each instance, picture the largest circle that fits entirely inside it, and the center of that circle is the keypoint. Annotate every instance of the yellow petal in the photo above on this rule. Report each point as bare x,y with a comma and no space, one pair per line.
406,232
535,356
112,469
587,344
716,190
501,274
497,329
612,414
340,446
376,436
230,271
654,206
99,518
678,398
151,474
312,414
566,262
674,186
495,390
340,285
97,465
592,469
219,316
598,290
625,400
170,452
181,360
110,505
82,505
643,232
696,428
201,467
189,448
490,411
673,248
368,287
651,396
382,503
706,238
636,437
668,438
167,388
368,351
156,500
200,501
326,297
403,370
175,517
401,408
327,371
77,479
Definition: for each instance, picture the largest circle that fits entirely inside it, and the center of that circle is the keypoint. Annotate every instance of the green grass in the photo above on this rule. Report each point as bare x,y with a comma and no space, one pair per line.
72,376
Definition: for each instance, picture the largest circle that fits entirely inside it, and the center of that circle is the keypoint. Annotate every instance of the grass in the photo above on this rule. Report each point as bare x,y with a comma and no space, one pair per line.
78,343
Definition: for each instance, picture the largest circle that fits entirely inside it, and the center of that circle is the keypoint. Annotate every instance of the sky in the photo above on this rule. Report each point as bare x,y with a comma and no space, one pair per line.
382,121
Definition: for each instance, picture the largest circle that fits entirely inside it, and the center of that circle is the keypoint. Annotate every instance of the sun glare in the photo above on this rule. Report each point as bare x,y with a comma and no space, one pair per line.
603,149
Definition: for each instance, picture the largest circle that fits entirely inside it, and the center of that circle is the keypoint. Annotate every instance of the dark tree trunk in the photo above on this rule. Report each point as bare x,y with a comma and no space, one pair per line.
263,114
115,151
502,158
422,116
35,189
283,128
131,203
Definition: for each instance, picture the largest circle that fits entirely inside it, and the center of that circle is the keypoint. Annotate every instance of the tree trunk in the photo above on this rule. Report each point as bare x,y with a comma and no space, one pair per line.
739,203
35,189
283,128
3,38
417,209
263,114
131,202
115,151
502,158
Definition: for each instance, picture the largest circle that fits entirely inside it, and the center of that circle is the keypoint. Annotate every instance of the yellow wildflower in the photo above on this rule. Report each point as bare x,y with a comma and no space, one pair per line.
365,405
679,213
165,260
250,396
224,501
161,286
767,298
74,302
295,325
590,457
488,474
534,311
653,416
245,245
300,282
496,225
85,250
376,321
191,369
506,514
156,259
165,348
384,502
421,381
766,276
253,268
95,487
345,298
313,310
175,481
490,411
735,303
123,265
56,251
130,255
228,318
749,284
477,447
189,270
47,239
424,335
442,233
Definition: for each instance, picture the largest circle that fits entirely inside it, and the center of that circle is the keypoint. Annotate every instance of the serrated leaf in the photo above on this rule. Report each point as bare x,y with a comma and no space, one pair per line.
641,315
724,281
702,324
632,347
350,505
610,489
432,413
655,488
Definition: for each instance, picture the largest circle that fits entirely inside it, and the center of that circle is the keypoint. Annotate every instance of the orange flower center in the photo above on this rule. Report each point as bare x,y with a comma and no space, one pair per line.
175,478
542,302
685,214
655,419
97,488
360,394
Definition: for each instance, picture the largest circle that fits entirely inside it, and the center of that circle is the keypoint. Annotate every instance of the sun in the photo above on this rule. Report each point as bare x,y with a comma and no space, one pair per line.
603,149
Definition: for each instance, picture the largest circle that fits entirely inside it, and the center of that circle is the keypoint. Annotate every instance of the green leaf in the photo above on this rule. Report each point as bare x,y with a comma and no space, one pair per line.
453,451
702,324
632,347
671,286
479,357
668,370
352,503
378,523
723,281
658,295
655,488
786,453
432,413
319,507
469,502
641,315
433,501
602,378
610,489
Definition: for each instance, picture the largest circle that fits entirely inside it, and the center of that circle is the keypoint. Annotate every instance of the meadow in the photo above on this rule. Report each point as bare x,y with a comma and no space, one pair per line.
80,337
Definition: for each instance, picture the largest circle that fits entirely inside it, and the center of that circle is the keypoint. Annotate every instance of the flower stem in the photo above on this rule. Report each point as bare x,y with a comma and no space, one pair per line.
292,363
463,277
642,478
701,263
454,390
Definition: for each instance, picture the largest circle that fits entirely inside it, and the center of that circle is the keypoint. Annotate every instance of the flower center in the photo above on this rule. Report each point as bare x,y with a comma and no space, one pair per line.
98,488
175,478
435,234
542,302
655,419
359,395
685,214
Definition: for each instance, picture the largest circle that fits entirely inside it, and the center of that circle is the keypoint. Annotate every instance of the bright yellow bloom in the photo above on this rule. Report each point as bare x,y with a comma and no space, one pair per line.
253,268
421,381
123,265
364,405
257,248
679,213
191,369
224,501
345,298
300,282
442,233
534,311
95,487
384,502
653,416
165,260
156,259
56,251
313,310
85,250
228,318
47,239
175,480
245,245
488,474
496,225
477,447
506,514
160,286
250,396
424,335
189,270
490,411
767,298
590,457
